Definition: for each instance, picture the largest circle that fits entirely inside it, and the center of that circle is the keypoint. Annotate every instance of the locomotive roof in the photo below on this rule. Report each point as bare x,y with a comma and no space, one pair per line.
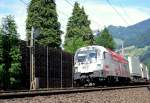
101,48
115,55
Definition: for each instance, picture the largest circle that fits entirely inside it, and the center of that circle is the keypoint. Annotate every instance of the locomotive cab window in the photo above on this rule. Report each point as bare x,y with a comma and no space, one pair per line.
81,56
89,55
92,56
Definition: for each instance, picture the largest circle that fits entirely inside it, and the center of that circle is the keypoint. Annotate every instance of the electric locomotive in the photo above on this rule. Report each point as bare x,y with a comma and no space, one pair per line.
99,66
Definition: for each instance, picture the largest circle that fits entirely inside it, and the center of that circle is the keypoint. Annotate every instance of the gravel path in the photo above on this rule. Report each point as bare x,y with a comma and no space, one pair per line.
136,95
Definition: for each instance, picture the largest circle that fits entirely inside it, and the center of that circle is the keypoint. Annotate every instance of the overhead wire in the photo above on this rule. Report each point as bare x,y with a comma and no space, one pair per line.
125,12
69,3
63,13
110,4
95,22
24,2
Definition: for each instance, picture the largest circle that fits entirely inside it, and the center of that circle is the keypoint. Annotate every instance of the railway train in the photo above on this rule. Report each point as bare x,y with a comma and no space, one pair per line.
100,66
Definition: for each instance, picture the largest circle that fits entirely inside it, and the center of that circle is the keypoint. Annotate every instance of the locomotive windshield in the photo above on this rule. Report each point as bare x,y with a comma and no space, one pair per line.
82,56
92,55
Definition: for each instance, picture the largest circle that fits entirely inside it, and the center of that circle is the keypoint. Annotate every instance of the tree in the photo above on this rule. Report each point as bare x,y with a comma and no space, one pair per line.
75,43
11,53
78,27
1,57
42,15
105,39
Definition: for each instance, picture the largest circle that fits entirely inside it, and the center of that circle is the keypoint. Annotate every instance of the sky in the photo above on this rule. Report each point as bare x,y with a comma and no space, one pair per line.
101,14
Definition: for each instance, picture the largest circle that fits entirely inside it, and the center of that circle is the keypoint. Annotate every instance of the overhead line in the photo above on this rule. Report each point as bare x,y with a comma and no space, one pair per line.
117,12
83,1
124,10
63,13
24,2
69,3
73,6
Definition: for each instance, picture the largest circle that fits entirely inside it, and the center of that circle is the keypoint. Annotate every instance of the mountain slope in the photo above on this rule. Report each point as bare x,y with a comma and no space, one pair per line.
137,34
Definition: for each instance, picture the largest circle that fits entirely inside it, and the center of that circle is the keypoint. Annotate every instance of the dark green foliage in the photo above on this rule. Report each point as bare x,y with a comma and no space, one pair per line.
1,40
42,15
1,56
105,39
11,53
143,39
15,69
78,30
73,44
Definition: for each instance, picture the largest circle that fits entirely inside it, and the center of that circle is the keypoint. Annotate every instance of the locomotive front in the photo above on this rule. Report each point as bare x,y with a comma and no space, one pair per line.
88,64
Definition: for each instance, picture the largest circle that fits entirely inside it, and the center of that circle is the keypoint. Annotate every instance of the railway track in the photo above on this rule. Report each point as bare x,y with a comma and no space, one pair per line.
44,92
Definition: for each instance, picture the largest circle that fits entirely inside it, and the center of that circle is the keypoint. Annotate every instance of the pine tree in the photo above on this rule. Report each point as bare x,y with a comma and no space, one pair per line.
1,48
74,44
42,15
1,57
11,53
78,29
105,39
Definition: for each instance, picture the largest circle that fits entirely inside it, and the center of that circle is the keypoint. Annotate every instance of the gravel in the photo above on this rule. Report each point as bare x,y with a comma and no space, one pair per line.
134,95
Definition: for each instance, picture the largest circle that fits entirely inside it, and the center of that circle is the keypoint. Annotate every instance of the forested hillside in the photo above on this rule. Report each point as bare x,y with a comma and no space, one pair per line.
137,34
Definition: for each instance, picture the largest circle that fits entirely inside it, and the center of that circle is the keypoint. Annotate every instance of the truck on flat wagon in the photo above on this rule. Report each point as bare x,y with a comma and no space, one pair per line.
138,71
135,69
145,72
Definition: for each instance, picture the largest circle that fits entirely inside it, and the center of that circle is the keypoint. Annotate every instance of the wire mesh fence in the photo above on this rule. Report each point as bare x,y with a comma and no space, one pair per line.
53,67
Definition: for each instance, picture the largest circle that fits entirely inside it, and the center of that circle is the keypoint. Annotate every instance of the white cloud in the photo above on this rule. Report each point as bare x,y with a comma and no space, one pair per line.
20,18
104,15
100,15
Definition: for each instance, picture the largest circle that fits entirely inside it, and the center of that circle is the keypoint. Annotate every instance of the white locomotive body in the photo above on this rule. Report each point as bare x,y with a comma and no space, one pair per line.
99,65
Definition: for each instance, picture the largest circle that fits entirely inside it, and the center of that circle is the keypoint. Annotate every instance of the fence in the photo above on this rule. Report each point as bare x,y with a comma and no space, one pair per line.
53,67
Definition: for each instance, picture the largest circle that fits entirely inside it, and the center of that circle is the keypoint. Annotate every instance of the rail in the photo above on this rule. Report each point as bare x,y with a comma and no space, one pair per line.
32,93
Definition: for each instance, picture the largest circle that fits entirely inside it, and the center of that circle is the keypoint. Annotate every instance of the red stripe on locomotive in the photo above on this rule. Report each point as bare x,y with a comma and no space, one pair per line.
118,57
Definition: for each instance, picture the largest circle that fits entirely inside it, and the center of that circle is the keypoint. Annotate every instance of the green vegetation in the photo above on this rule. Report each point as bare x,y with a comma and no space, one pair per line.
10,54
1,56
105,39
134,51
137,34
78,33
42,15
